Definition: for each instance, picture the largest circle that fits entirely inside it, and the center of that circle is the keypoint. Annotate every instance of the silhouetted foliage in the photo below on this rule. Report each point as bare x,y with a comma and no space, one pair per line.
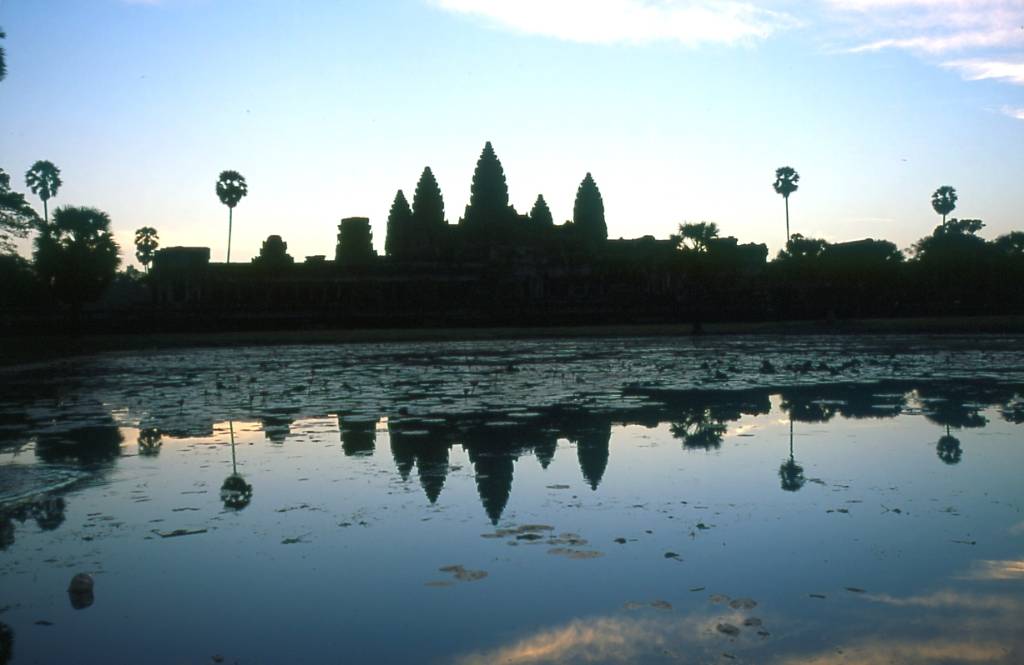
397,243
274,254
231,187
6,634
235,492
857,278
696,237
147,240
355,242
1013,410
801,249
944,201
955,266
20,286
953,240
1010,244
588,213
948,449
150,441
791,476
3,71
699,429
43,180
76,256
951,410
16,215
786,182
540,214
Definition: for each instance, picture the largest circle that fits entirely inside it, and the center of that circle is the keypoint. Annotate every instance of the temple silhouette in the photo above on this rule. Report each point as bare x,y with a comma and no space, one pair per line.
495,266
498,266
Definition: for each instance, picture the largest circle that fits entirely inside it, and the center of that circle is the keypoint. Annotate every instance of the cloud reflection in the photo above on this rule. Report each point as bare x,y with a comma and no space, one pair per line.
909,652
952,600
613,640
1009,569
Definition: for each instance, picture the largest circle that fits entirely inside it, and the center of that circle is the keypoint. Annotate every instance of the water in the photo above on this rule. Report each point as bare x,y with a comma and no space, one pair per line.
619,501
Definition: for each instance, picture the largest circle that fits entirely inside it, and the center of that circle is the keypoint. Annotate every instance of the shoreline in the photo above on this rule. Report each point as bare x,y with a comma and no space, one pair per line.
21,349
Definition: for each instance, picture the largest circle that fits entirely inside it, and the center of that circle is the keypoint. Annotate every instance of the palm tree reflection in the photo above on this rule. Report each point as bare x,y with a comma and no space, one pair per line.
150,440
791,474
960,408
948,448
235,493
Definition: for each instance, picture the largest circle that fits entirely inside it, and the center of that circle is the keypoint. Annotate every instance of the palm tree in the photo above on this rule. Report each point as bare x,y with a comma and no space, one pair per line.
786,179
146,243
231,188
944,201
43,179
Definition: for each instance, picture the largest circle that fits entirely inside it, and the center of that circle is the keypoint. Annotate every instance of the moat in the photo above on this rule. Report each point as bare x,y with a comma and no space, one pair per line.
672,500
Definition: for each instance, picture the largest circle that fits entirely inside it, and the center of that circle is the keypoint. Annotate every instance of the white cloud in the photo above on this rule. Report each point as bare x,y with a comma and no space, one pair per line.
688,22
934,26
978,69
957,41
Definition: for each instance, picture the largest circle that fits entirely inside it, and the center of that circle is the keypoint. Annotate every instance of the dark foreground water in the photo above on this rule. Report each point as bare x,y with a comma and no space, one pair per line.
600,501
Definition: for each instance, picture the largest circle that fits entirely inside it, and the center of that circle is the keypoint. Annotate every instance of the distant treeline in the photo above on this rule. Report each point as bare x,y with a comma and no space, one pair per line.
495,266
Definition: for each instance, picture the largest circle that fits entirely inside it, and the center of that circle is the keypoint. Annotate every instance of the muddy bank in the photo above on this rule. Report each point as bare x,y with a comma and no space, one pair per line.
27,349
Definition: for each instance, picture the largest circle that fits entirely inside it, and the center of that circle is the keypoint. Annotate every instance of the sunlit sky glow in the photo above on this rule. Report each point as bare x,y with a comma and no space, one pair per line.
681,109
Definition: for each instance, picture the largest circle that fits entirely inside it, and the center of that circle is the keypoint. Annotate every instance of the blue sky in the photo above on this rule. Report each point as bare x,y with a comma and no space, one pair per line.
681,109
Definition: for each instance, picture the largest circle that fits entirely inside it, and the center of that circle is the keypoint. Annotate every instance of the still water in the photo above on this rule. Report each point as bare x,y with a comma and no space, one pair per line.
575,501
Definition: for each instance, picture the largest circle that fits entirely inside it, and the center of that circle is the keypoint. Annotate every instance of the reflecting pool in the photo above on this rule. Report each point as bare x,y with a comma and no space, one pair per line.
750,500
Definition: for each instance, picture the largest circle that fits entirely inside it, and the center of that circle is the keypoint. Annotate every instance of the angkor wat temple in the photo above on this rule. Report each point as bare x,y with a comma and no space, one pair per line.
495,266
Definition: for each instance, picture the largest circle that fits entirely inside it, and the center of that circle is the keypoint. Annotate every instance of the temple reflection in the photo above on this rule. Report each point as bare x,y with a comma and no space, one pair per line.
358,437
89,436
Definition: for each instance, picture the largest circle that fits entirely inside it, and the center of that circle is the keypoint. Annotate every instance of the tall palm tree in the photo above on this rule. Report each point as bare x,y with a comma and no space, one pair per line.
146,243
944,201
786,179
43,179
231,188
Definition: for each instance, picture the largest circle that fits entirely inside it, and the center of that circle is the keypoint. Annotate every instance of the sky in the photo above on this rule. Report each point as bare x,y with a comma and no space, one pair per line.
681,109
